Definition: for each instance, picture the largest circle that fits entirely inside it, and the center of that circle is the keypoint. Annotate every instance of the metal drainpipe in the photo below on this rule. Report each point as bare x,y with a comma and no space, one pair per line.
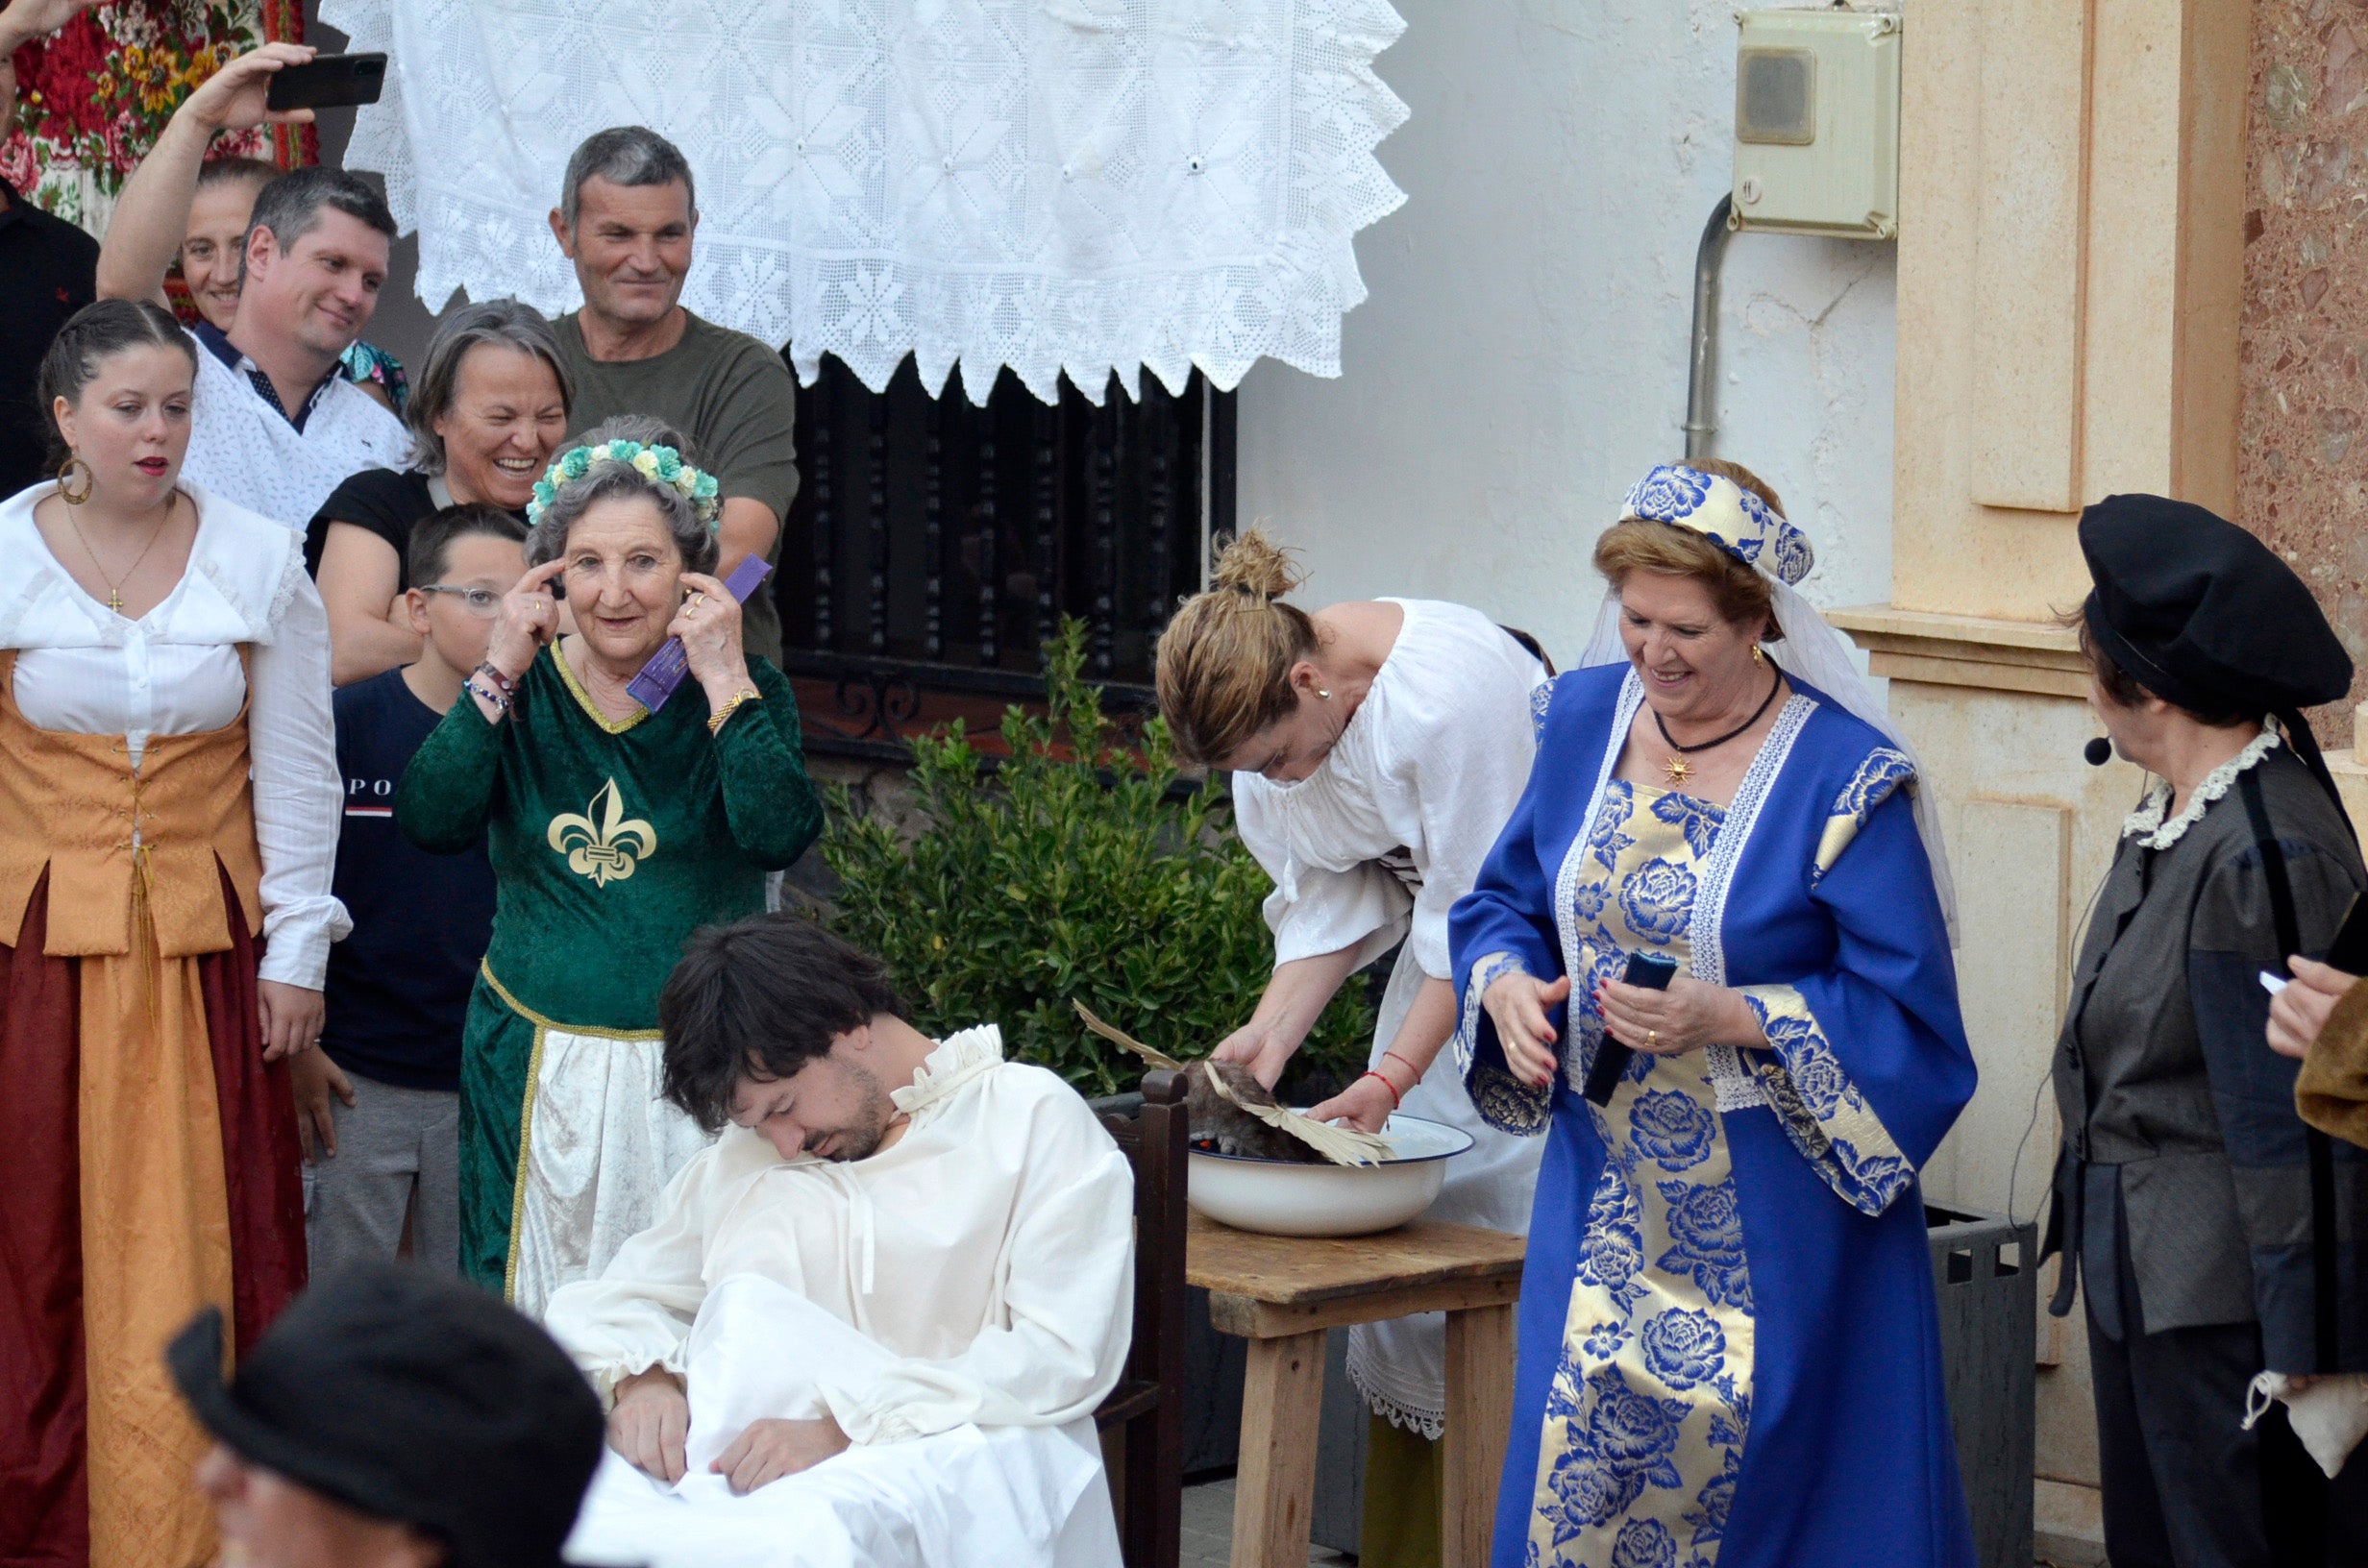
1701,378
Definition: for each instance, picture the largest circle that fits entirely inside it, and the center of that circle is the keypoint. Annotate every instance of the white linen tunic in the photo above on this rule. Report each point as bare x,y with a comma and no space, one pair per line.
84,669
1378,844
991,1249
960,1303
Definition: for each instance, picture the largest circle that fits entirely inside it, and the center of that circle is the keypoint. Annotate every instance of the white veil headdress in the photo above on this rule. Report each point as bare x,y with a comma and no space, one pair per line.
1758,535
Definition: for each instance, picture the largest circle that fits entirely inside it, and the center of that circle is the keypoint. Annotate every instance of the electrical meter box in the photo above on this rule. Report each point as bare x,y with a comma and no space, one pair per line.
1816,122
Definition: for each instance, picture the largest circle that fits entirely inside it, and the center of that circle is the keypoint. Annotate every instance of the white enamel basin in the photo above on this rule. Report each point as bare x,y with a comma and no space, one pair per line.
1281,1197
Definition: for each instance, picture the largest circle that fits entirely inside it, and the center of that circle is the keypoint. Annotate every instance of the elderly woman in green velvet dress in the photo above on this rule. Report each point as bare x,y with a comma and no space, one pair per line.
615,830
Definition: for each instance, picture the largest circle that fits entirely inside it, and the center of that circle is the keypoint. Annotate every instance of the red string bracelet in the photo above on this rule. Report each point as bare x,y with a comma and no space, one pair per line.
1385,1083
1392,1056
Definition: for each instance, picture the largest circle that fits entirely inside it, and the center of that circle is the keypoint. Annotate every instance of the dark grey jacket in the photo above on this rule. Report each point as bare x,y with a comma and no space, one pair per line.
2181,1138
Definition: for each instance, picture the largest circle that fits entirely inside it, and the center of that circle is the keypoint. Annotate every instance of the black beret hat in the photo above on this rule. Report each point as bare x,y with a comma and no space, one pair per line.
2203,614
415,1396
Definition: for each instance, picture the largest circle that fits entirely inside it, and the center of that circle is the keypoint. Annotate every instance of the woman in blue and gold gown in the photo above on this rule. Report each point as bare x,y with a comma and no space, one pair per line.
1728,1352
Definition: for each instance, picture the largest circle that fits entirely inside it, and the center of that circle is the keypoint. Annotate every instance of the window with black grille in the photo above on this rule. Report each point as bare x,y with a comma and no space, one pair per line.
934,546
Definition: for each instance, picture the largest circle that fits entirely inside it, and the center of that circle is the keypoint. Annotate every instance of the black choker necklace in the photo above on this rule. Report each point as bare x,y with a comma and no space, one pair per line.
1676,767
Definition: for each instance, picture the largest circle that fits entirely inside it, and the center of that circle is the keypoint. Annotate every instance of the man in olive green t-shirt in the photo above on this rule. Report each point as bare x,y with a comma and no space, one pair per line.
625,218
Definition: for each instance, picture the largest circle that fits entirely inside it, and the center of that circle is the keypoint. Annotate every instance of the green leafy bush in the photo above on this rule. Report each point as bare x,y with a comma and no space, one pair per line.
1071,872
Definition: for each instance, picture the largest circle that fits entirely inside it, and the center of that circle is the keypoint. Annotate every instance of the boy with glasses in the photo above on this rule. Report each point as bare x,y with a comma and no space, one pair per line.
379,1101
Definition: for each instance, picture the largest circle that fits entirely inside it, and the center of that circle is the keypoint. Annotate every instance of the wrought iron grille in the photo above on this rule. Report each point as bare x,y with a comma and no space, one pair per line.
935,546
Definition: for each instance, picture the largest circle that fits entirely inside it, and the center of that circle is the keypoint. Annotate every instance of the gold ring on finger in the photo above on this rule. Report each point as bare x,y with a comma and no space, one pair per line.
1652,1036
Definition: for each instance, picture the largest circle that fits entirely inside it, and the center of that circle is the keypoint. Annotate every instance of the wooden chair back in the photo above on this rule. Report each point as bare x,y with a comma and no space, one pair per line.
1147,1403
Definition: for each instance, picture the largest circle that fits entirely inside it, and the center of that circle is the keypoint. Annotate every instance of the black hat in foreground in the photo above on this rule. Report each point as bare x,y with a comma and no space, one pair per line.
412,1397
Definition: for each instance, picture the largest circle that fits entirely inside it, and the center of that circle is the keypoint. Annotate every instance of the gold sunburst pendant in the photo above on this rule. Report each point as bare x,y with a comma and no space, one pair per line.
1678,769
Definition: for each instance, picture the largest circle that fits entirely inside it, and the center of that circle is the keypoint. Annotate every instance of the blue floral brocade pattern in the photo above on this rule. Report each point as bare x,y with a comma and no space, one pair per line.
1823,1112
1541,698
1650,1401
1882,772
1726,514
1504,1102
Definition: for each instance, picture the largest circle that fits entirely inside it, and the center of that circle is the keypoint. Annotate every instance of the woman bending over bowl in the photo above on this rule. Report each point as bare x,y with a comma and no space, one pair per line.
1376,746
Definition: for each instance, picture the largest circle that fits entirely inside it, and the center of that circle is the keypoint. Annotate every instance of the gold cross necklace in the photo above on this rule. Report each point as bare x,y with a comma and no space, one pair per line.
1677,766
115,585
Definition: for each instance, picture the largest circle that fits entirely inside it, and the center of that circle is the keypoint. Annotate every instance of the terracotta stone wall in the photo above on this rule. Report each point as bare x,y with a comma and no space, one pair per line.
2303,468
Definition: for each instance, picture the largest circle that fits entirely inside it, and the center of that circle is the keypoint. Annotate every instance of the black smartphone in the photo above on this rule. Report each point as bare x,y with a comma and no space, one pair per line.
1653,972
328,82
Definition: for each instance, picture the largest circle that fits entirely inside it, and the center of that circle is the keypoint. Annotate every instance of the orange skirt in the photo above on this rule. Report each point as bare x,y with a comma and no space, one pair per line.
153,1170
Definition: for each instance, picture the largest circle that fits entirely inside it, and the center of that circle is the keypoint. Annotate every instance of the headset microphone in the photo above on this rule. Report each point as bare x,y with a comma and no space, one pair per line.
2098,751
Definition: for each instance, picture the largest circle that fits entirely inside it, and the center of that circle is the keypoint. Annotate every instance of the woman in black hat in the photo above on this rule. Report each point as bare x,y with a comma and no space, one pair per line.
2218,1237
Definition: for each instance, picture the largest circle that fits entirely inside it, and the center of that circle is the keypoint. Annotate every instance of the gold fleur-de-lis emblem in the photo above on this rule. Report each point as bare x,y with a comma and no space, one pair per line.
603,843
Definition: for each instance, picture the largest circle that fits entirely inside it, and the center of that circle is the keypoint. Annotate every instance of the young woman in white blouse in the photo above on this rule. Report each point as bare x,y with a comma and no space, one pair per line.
1377,747
171,798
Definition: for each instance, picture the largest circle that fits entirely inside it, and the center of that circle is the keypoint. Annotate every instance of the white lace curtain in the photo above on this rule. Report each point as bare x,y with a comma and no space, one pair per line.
1055,185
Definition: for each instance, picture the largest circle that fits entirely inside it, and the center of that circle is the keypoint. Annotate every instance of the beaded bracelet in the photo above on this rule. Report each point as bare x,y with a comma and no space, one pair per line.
1385,1083
500,700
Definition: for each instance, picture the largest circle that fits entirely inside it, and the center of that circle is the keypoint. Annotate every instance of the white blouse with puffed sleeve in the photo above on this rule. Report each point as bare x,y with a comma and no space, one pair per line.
84,669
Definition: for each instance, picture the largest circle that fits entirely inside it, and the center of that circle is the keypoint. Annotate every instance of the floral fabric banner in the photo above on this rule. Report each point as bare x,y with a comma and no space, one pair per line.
93,96
1078,186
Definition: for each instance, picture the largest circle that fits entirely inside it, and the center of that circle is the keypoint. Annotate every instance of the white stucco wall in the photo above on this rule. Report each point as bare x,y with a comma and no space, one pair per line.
1522,356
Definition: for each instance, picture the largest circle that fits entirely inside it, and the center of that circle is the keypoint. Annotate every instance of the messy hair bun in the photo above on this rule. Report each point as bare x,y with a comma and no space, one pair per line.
1254,564
1224,661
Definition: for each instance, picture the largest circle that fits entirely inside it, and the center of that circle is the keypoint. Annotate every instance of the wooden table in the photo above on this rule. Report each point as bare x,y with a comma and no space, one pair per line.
1282,1294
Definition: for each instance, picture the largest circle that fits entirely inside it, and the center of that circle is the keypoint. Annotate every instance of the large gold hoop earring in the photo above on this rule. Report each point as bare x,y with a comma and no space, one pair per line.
65,480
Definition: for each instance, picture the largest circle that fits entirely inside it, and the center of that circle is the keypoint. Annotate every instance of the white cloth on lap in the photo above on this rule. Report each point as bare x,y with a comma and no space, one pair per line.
1006,1497
991,1248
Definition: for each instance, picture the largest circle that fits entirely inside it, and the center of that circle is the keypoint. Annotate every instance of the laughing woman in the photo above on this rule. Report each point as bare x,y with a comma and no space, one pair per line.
1727,1348
615,832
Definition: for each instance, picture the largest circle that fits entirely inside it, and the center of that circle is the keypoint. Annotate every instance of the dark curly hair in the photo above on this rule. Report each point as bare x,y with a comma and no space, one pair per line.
761,998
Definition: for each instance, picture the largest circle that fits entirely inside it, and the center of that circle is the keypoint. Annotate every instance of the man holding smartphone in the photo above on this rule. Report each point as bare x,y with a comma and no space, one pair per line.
276,427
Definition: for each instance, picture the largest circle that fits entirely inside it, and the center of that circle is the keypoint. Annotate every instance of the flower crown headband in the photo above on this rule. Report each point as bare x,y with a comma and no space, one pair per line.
1725,513
660,465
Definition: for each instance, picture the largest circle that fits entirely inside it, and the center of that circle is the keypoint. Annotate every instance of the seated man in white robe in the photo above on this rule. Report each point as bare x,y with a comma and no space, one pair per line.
873,1319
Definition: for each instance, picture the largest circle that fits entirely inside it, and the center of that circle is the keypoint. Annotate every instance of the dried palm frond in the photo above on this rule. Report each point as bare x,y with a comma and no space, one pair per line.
1119,1037
1209,1082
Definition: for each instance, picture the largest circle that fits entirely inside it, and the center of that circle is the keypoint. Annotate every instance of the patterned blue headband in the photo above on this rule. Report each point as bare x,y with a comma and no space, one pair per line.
1726,514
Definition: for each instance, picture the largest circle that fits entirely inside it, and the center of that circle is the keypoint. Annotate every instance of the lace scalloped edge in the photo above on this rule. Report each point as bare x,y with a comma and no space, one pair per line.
1303,285
1428,1424
2159,834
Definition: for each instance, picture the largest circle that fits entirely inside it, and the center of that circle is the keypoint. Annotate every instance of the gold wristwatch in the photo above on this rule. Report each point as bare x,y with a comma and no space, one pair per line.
732,705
